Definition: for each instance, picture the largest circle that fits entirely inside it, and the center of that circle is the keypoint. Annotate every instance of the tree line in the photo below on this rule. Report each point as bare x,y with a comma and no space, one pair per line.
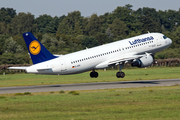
65,34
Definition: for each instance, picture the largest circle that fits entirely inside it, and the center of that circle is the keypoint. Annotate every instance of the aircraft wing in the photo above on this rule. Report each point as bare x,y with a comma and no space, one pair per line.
126,58
120,60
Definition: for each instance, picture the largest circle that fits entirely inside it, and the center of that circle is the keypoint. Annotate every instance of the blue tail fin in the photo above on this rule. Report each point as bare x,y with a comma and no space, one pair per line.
36,50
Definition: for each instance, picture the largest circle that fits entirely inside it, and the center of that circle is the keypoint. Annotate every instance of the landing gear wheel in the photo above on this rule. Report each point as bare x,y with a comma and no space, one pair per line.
120,74
93,74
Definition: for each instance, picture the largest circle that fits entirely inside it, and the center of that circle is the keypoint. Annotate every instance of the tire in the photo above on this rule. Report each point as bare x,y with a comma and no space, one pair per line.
122,74
118,74
95,74
92,74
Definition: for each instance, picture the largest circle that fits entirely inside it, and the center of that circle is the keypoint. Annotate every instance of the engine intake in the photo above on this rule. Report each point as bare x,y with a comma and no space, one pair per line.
143,62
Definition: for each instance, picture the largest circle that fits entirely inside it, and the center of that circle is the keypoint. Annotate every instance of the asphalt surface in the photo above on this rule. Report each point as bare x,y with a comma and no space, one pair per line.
90,86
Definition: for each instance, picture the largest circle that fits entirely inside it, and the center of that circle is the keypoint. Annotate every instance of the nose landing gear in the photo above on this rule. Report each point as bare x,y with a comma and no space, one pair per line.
119,74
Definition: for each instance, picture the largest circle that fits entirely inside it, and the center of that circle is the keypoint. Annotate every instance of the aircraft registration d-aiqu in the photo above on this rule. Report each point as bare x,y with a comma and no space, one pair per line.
139,51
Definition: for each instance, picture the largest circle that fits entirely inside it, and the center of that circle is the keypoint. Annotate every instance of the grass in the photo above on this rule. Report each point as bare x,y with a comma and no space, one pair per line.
157,103
104,76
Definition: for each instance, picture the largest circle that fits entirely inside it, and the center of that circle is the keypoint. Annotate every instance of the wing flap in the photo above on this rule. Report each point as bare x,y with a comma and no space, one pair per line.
126,59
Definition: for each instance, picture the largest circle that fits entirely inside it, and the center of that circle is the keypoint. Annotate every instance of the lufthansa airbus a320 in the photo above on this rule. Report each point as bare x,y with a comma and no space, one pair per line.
139,51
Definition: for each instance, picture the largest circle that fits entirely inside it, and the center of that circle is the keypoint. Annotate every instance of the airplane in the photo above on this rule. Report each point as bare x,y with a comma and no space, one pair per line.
139,51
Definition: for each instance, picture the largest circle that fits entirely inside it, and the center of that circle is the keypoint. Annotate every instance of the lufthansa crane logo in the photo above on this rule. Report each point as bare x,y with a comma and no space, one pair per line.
34,47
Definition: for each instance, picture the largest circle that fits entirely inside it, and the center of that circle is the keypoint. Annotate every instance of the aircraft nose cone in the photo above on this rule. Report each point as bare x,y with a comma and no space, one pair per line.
170,41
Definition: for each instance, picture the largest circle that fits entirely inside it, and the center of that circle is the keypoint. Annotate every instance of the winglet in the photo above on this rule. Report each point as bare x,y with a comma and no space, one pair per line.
36,50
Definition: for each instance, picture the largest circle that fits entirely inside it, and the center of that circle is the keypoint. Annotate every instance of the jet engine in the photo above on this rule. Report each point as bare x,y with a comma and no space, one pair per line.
143,62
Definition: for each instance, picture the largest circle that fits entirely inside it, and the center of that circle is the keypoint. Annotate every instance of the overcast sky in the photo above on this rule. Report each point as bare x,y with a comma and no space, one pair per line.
86,7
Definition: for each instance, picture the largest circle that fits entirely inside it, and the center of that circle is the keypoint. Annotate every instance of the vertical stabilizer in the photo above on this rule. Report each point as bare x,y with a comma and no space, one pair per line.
36,50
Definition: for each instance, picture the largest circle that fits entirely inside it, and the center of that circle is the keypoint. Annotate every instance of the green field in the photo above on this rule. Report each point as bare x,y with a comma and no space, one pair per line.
146,103
153,103
104,76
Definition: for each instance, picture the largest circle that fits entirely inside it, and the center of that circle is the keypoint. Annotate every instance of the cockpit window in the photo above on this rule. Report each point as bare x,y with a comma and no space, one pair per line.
164,37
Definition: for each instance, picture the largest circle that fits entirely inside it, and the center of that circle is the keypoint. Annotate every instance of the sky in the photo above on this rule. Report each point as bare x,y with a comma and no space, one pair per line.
86,7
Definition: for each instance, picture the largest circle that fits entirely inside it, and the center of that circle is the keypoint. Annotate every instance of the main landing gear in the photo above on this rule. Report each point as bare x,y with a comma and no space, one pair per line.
94,74
120,74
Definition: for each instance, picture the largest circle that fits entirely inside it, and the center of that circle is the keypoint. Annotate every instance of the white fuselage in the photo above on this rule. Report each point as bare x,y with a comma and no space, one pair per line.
93,58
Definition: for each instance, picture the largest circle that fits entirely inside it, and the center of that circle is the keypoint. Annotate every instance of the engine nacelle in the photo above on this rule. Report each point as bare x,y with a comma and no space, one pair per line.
143,62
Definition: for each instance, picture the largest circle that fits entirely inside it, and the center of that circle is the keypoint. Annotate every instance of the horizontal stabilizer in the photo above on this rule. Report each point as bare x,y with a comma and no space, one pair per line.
18,68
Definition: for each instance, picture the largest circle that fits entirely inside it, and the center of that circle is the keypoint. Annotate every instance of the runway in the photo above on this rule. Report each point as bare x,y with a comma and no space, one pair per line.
90,86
